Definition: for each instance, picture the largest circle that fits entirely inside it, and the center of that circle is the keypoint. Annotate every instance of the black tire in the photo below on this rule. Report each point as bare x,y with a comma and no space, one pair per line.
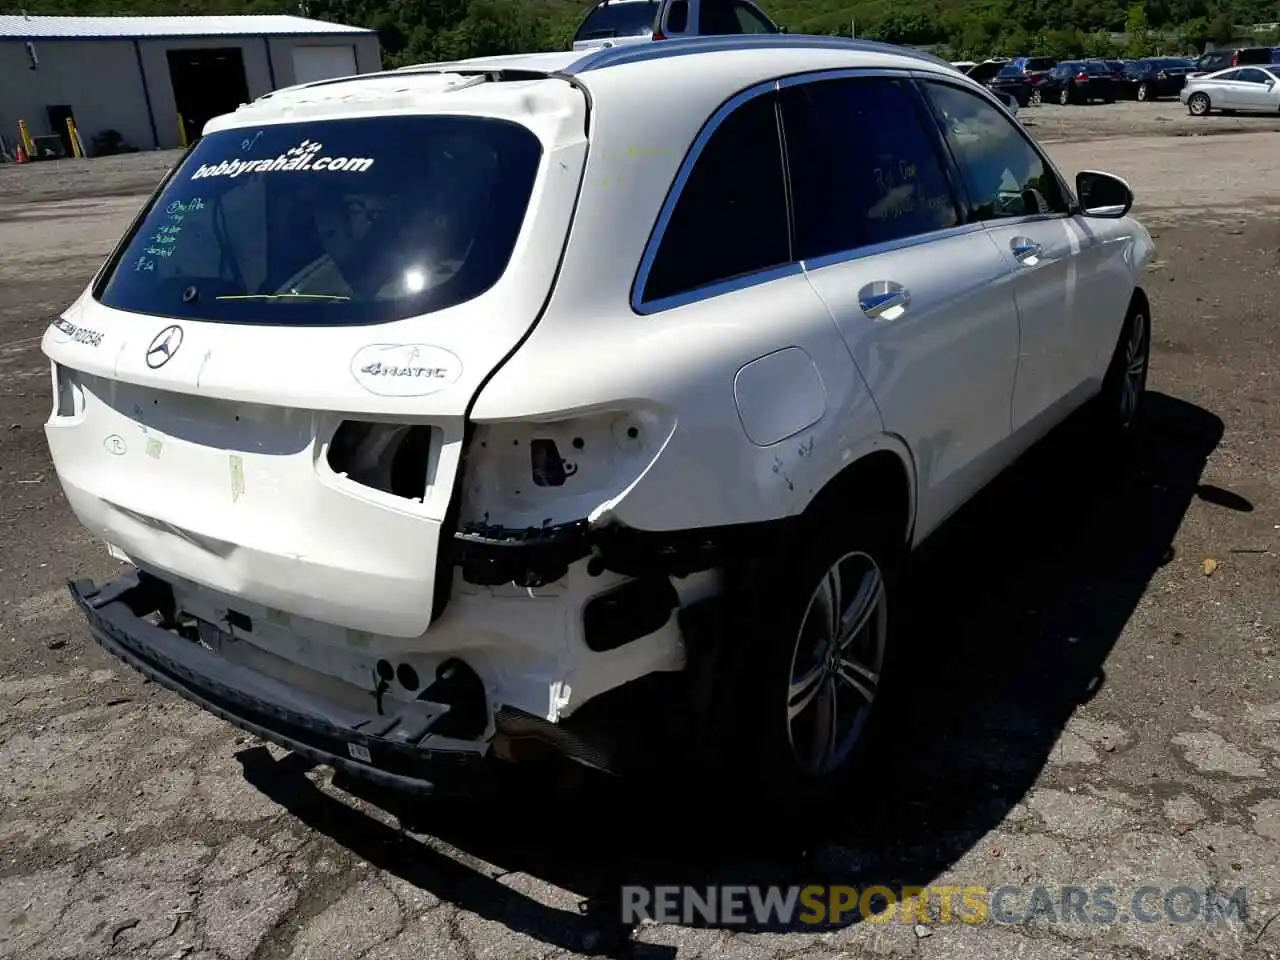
1141,93
1117,407
1036,98
1198,105
749,740
1064,97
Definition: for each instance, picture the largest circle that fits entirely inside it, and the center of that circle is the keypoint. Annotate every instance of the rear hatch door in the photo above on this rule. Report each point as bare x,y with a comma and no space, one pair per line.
288,283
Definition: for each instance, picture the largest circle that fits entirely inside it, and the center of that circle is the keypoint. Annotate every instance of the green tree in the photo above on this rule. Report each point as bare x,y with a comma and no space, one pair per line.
1194,34
1222,28
1139,34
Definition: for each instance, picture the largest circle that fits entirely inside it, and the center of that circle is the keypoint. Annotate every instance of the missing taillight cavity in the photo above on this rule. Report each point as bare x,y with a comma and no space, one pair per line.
549,468
68,395
390,457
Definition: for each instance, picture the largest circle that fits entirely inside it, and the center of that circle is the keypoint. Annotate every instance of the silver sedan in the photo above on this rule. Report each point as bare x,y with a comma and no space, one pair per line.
1254,89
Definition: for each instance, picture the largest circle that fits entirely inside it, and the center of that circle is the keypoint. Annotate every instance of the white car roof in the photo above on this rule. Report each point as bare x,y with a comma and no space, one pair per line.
704,70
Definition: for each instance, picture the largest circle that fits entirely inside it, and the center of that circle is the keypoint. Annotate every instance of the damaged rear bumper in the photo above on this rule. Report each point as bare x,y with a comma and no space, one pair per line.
396,749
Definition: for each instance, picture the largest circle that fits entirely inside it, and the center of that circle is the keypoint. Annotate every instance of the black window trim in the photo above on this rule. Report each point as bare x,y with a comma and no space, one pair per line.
643,307
1073,204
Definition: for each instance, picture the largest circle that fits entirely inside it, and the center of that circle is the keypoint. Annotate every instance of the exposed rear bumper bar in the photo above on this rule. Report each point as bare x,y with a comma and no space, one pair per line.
402,752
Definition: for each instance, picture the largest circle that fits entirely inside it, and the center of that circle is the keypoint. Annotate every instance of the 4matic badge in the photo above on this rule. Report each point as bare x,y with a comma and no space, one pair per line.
405,369
164,346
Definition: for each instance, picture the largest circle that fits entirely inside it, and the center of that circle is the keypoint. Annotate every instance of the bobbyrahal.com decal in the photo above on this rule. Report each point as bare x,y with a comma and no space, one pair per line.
304,157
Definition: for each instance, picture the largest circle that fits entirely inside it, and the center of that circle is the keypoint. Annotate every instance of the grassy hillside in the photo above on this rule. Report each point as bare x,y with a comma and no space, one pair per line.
414,30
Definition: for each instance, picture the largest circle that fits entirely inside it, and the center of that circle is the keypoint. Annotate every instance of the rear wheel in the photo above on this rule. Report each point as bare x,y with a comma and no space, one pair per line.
805,655
1036,98
1198,104
1064,96
1142,91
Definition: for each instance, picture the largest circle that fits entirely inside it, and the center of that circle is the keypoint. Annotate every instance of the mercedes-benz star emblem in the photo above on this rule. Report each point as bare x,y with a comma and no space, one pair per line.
164,346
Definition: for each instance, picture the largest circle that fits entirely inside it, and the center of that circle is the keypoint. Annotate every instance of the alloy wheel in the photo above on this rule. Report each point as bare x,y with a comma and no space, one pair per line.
837,664
1198,104
1036,98
1136,357
1142,91
1064,97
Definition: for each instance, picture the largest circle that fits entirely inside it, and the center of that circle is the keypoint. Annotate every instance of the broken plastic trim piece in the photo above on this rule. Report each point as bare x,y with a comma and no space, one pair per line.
491,554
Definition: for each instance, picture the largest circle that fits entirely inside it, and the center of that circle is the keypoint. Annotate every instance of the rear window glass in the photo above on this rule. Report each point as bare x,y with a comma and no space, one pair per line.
338,222
1096,68
626,19
1010,72
1040,63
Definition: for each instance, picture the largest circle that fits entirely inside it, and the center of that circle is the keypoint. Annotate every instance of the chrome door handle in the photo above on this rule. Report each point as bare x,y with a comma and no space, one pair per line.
884,300
1025,250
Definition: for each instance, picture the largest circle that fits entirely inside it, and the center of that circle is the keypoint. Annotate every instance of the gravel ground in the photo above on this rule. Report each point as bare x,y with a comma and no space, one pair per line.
1094,702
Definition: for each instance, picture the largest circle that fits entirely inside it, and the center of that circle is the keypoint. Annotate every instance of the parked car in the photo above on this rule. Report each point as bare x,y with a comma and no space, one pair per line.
1077,81
1014,83
615,22
1215,60
988,69
1035,68
1153,77
1247,89
1114,68
841,291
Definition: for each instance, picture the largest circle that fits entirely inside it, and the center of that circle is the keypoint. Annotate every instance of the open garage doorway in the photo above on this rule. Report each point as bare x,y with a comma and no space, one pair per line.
206,84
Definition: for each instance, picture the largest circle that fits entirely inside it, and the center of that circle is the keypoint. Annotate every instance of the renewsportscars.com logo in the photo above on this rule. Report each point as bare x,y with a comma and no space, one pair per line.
305,156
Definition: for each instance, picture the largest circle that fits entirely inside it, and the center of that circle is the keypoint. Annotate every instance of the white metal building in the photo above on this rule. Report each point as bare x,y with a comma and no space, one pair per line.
137,75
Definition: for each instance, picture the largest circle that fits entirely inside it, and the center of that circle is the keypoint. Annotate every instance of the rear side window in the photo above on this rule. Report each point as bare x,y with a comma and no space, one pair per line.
334,222
1004,175
1040,63
731,216
1252,75
864,168
750,20
678,16
628,18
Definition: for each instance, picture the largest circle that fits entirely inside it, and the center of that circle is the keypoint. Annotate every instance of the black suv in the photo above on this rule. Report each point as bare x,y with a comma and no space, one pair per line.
1215,60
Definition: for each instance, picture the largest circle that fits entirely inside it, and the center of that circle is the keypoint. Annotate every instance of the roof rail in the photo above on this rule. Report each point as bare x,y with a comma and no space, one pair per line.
685,46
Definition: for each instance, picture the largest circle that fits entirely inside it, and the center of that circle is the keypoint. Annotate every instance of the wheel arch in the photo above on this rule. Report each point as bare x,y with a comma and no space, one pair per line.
883,473
1140,299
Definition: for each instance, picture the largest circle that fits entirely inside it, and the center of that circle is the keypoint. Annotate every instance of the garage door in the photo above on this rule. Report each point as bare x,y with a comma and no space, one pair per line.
321,63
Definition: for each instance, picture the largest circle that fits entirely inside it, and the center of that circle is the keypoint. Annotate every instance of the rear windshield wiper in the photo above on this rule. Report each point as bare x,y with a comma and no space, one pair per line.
283,296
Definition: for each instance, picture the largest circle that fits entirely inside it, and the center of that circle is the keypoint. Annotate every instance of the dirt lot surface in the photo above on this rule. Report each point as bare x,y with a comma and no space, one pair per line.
1094,703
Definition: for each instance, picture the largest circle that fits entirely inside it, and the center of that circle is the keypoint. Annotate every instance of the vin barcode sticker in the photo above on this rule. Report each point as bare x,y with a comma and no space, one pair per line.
359,752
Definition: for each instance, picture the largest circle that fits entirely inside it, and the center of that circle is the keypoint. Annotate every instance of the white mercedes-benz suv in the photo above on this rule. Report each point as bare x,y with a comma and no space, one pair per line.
438,412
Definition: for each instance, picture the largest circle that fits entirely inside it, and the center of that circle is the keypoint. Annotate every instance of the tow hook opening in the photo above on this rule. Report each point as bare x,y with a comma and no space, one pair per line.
393,458
460,688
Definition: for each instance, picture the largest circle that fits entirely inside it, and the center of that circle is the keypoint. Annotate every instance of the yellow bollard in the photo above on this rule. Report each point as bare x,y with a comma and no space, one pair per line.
182,132
27,142
76,147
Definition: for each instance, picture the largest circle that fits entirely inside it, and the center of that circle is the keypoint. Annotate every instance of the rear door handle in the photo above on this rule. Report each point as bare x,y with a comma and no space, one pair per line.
884,300
1025,250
